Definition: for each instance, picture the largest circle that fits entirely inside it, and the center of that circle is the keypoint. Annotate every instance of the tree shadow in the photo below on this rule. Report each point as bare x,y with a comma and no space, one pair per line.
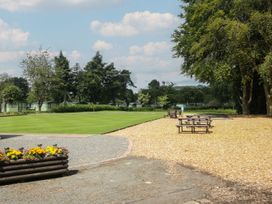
8,136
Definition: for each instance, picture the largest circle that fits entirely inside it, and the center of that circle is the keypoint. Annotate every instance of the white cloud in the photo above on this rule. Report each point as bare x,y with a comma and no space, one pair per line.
75,55
136,23
146,64
146,68
10,55
112,29
16,5
101,45
11,37
150,49
13,5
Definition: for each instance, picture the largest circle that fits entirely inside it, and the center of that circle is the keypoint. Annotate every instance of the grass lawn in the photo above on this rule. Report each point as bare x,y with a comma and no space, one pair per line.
75,123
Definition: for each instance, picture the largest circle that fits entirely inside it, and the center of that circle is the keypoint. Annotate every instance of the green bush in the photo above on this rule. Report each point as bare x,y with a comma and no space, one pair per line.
207,107
82,108
94,107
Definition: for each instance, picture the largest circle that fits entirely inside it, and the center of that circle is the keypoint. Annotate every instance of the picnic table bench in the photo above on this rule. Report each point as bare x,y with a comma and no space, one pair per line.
193,123
172,113
199,118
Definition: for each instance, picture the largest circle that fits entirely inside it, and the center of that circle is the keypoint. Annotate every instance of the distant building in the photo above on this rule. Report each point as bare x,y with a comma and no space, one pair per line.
20,107
46,106
14,107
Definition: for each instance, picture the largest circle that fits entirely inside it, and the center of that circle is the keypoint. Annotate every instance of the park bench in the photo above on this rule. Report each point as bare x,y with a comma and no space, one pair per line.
172,113
199,118
193,123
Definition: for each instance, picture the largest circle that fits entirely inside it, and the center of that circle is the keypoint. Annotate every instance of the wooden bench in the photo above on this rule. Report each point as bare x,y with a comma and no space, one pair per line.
193,123
201,119
172,113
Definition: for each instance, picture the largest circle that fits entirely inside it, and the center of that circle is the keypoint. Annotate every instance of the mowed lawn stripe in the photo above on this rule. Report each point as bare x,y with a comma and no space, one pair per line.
80,123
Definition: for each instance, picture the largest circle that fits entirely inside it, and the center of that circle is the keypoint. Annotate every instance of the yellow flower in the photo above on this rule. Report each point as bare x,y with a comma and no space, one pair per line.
53,150
36,151
14,154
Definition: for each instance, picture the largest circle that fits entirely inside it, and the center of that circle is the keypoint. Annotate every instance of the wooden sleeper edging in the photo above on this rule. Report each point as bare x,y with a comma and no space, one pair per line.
22,170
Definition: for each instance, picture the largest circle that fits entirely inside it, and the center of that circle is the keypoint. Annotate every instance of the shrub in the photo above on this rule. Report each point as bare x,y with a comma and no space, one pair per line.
82,108
94,107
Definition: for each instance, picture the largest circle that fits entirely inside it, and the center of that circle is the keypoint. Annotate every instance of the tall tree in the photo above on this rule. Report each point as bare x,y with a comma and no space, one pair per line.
154,91
103,83
63,78
38,70
217,44
92,81
77,78
261,35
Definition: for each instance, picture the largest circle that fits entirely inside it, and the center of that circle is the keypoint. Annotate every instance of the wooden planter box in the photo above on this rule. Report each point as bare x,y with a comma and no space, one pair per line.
22,170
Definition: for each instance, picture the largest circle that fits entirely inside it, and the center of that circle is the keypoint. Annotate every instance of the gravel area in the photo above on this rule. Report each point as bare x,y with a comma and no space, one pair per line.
238,149
83,150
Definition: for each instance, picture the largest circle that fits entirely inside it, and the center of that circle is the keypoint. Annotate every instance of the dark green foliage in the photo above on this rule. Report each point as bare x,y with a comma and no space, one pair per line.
94,107
155,92
11,94
62,83
18,82
83,108
229,42
103,83
22,84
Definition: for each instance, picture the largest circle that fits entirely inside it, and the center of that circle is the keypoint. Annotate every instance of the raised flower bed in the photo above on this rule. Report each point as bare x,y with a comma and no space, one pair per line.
33,163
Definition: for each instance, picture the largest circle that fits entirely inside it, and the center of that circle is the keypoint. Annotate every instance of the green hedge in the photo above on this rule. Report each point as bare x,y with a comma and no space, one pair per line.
93,107
207,107
82,108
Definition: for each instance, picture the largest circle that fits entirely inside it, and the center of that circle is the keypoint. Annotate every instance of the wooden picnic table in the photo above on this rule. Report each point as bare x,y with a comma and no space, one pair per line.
193,123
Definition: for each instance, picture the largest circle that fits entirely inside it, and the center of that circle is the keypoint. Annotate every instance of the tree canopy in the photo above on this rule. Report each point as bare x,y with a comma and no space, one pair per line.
39,72
227,41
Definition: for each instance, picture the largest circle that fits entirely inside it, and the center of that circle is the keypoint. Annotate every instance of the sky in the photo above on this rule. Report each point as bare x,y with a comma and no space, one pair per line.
133,34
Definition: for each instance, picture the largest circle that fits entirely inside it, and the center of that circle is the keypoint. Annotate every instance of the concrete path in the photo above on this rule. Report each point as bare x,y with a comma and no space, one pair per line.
132,180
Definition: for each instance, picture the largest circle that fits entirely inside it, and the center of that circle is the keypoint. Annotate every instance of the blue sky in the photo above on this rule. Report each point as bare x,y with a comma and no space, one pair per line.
134,34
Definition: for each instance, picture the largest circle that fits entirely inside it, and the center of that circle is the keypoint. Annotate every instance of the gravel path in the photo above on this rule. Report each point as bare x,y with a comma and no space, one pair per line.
237,149
83,150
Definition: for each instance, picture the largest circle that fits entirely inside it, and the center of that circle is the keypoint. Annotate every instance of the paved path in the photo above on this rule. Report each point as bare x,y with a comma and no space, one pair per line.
131,180
128,180
84,150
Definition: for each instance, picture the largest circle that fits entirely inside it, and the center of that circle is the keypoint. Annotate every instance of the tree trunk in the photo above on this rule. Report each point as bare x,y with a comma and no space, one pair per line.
5,107
246,96
268,96
245,107
40,106
65,99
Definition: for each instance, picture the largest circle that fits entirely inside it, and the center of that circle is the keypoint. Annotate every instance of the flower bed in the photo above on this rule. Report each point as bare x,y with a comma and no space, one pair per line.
37,162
